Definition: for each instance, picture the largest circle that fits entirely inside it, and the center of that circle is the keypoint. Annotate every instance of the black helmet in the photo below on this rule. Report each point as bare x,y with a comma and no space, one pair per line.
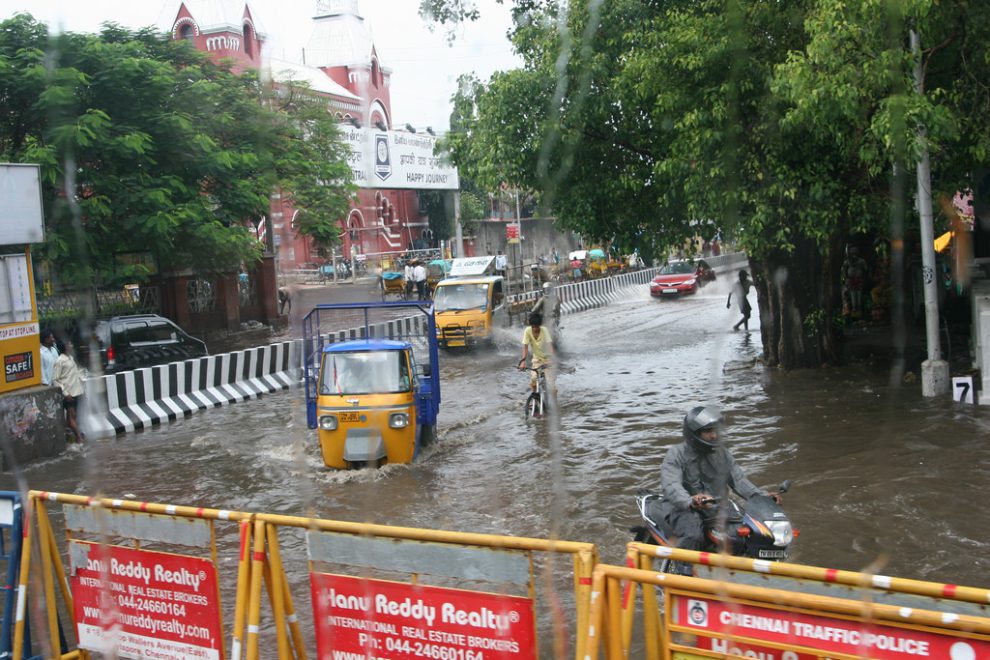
536,318
699,419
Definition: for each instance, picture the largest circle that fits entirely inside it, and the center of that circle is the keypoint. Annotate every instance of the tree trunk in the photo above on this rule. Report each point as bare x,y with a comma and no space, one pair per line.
798,296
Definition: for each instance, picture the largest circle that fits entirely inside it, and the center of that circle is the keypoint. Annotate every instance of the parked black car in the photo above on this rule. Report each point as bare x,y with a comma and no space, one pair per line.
143,340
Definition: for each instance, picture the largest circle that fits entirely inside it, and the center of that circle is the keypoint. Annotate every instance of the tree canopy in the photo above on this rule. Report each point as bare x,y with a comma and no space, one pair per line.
779,124
146,146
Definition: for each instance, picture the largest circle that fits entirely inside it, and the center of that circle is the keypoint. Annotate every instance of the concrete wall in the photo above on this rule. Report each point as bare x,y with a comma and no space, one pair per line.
540,236
32,425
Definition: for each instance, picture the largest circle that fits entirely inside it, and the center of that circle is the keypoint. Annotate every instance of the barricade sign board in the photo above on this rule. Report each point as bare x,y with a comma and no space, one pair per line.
145,604
716,625
399,620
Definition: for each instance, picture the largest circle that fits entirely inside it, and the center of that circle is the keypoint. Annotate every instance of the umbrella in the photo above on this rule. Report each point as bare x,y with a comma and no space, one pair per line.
596,253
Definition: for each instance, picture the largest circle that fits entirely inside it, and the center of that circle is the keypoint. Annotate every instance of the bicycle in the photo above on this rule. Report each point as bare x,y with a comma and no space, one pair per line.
536,402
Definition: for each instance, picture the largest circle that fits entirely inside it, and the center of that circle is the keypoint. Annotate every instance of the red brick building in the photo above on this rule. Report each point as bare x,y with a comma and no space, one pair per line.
340,63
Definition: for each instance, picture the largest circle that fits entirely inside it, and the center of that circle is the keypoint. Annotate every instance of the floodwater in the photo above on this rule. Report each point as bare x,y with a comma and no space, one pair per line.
883,479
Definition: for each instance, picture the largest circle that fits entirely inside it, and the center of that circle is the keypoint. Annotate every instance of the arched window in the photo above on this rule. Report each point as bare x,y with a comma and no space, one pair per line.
247,39
187,32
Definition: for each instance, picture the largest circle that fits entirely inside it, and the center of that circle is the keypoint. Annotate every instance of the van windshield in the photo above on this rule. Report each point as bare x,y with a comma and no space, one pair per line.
457,297
379,372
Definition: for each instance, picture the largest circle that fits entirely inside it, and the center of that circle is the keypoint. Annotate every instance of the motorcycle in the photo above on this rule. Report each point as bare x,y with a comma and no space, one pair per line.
758,529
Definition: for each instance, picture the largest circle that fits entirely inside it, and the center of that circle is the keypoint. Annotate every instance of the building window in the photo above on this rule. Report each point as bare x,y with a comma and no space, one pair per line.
186,32
247,40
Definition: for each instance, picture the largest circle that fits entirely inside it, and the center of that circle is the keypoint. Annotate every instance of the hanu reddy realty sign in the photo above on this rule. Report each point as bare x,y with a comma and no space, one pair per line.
397,159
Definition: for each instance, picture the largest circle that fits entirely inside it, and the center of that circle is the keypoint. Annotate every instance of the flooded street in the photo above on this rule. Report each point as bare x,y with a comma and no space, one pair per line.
882,478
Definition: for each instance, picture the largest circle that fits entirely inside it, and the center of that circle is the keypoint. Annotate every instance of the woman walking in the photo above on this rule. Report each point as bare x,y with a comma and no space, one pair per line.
67,376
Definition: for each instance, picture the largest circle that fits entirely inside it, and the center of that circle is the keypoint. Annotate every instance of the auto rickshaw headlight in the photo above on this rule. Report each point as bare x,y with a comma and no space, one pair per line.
328,423
398,420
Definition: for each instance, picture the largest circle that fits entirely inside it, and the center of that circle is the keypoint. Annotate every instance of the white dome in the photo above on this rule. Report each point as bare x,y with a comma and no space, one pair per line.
340,36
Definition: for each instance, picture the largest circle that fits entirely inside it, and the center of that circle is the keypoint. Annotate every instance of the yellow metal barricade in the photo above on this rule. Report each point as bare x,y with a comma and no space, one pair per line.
826,582
123,565
715,619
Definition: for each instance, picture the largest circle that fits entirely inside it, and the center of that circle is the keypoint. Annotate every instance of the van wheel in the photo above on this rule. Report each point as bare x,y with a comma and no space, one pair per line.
427,435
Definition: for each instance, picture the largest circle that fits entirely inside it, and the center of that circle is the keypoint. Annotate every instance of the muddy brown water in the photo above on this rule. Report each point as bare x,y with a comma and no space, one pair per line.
883,478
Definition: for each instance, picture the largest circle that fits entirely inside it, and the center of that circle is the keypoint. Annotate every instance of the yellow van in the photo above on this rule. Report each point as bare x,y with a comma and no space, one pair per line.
373,401
468,309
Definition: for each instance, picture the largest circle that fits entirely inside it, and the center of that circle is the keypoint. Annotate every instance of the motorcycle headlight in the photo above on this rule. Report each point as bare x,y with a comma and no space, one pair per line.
398,420
783,534
328,423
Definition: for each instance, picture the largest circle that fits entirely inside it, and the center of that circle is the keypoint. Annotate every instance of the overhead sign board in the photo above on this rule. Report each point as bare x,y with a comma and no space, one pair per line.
357,617
21,217
471,266
397,159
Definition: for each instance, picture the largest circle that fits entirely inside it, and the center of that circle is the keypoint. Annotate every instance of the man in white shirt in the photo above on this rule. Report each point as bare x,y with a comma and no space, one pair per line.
500,263
407,276
419,277
48,356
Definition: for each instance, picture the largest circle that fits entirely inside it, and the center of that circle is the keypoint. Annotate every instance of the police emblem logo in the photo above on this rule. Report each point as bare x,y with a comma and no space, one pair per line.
697,613
383,161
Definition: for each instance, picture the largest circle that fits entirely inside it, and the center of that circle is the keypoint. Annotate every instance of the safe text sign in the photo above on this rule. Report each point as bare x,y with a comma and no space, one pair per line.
817,633
145,604
377,618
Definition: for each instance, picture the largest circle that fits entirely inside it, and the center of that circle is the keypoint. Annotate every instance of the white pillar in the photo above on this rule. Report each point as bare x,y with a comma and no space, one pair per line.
934,371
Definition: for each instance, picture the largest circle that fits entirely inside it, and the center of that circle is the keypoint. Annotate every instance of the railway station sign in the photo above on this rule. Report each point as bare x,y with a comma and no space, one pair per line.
716,625
379,618
145,604
397,160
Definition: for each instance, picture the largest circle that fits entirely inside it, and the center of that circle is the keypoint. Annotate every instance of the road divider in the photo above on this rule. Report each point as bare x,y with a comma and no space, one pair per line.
130,400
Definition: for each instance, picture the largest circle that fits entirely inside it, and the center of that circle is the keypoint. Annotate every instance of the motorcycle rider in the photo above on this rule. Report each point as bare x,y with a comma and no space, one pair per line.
696,471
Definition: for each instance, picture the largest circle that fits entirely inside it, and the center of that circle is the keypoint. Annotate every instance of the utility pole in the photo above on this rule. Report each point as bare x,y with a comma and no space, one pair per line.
458,231
934,370
519,234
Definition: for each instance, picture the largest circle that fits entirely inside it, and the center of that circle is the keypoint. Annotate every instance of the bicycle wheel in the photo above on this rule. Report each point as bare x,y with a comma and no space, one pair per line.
533,405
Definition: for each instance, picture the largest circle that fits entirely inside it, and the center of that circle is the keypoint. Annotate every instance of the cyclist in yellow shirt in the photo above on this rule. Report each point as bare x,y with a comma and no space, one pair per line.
536,340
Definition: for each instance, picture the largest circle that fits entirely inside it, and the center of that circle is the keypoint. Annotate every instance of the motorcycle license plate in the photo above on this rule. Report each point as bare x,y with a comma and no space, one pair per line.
773,554
356,417
670,290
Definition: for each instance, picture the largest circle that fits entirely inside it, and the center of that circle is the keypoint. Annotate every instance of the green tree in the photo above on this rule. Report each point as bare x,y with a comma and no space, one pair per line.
779,123
311,164
147,146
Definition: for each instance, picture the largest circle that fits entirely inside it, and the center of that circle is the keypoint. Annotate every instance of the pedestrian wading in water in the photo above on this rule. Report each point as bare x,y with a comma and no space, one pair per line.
741,289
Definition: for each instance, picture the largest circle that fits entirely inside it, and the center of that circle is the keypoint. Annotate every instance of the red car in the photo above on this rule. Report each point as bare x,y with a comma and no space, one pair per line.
676,278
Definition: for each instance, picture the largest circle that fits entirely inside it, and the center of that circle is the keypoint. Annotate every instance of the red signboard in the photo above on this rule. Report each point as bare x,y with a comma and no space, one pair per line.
145,604
511,231
816,633
376,618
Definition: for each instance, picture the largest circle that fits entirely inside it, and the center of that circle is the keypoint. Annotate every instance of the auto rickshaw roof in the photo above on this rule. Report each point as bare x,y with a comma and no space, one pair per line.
471,279
366,345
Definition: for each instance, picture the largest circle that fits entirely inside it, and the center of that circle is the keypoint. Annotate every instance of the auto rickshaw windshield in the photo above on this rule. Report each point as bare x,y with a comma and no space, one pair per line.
380,372
459,297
